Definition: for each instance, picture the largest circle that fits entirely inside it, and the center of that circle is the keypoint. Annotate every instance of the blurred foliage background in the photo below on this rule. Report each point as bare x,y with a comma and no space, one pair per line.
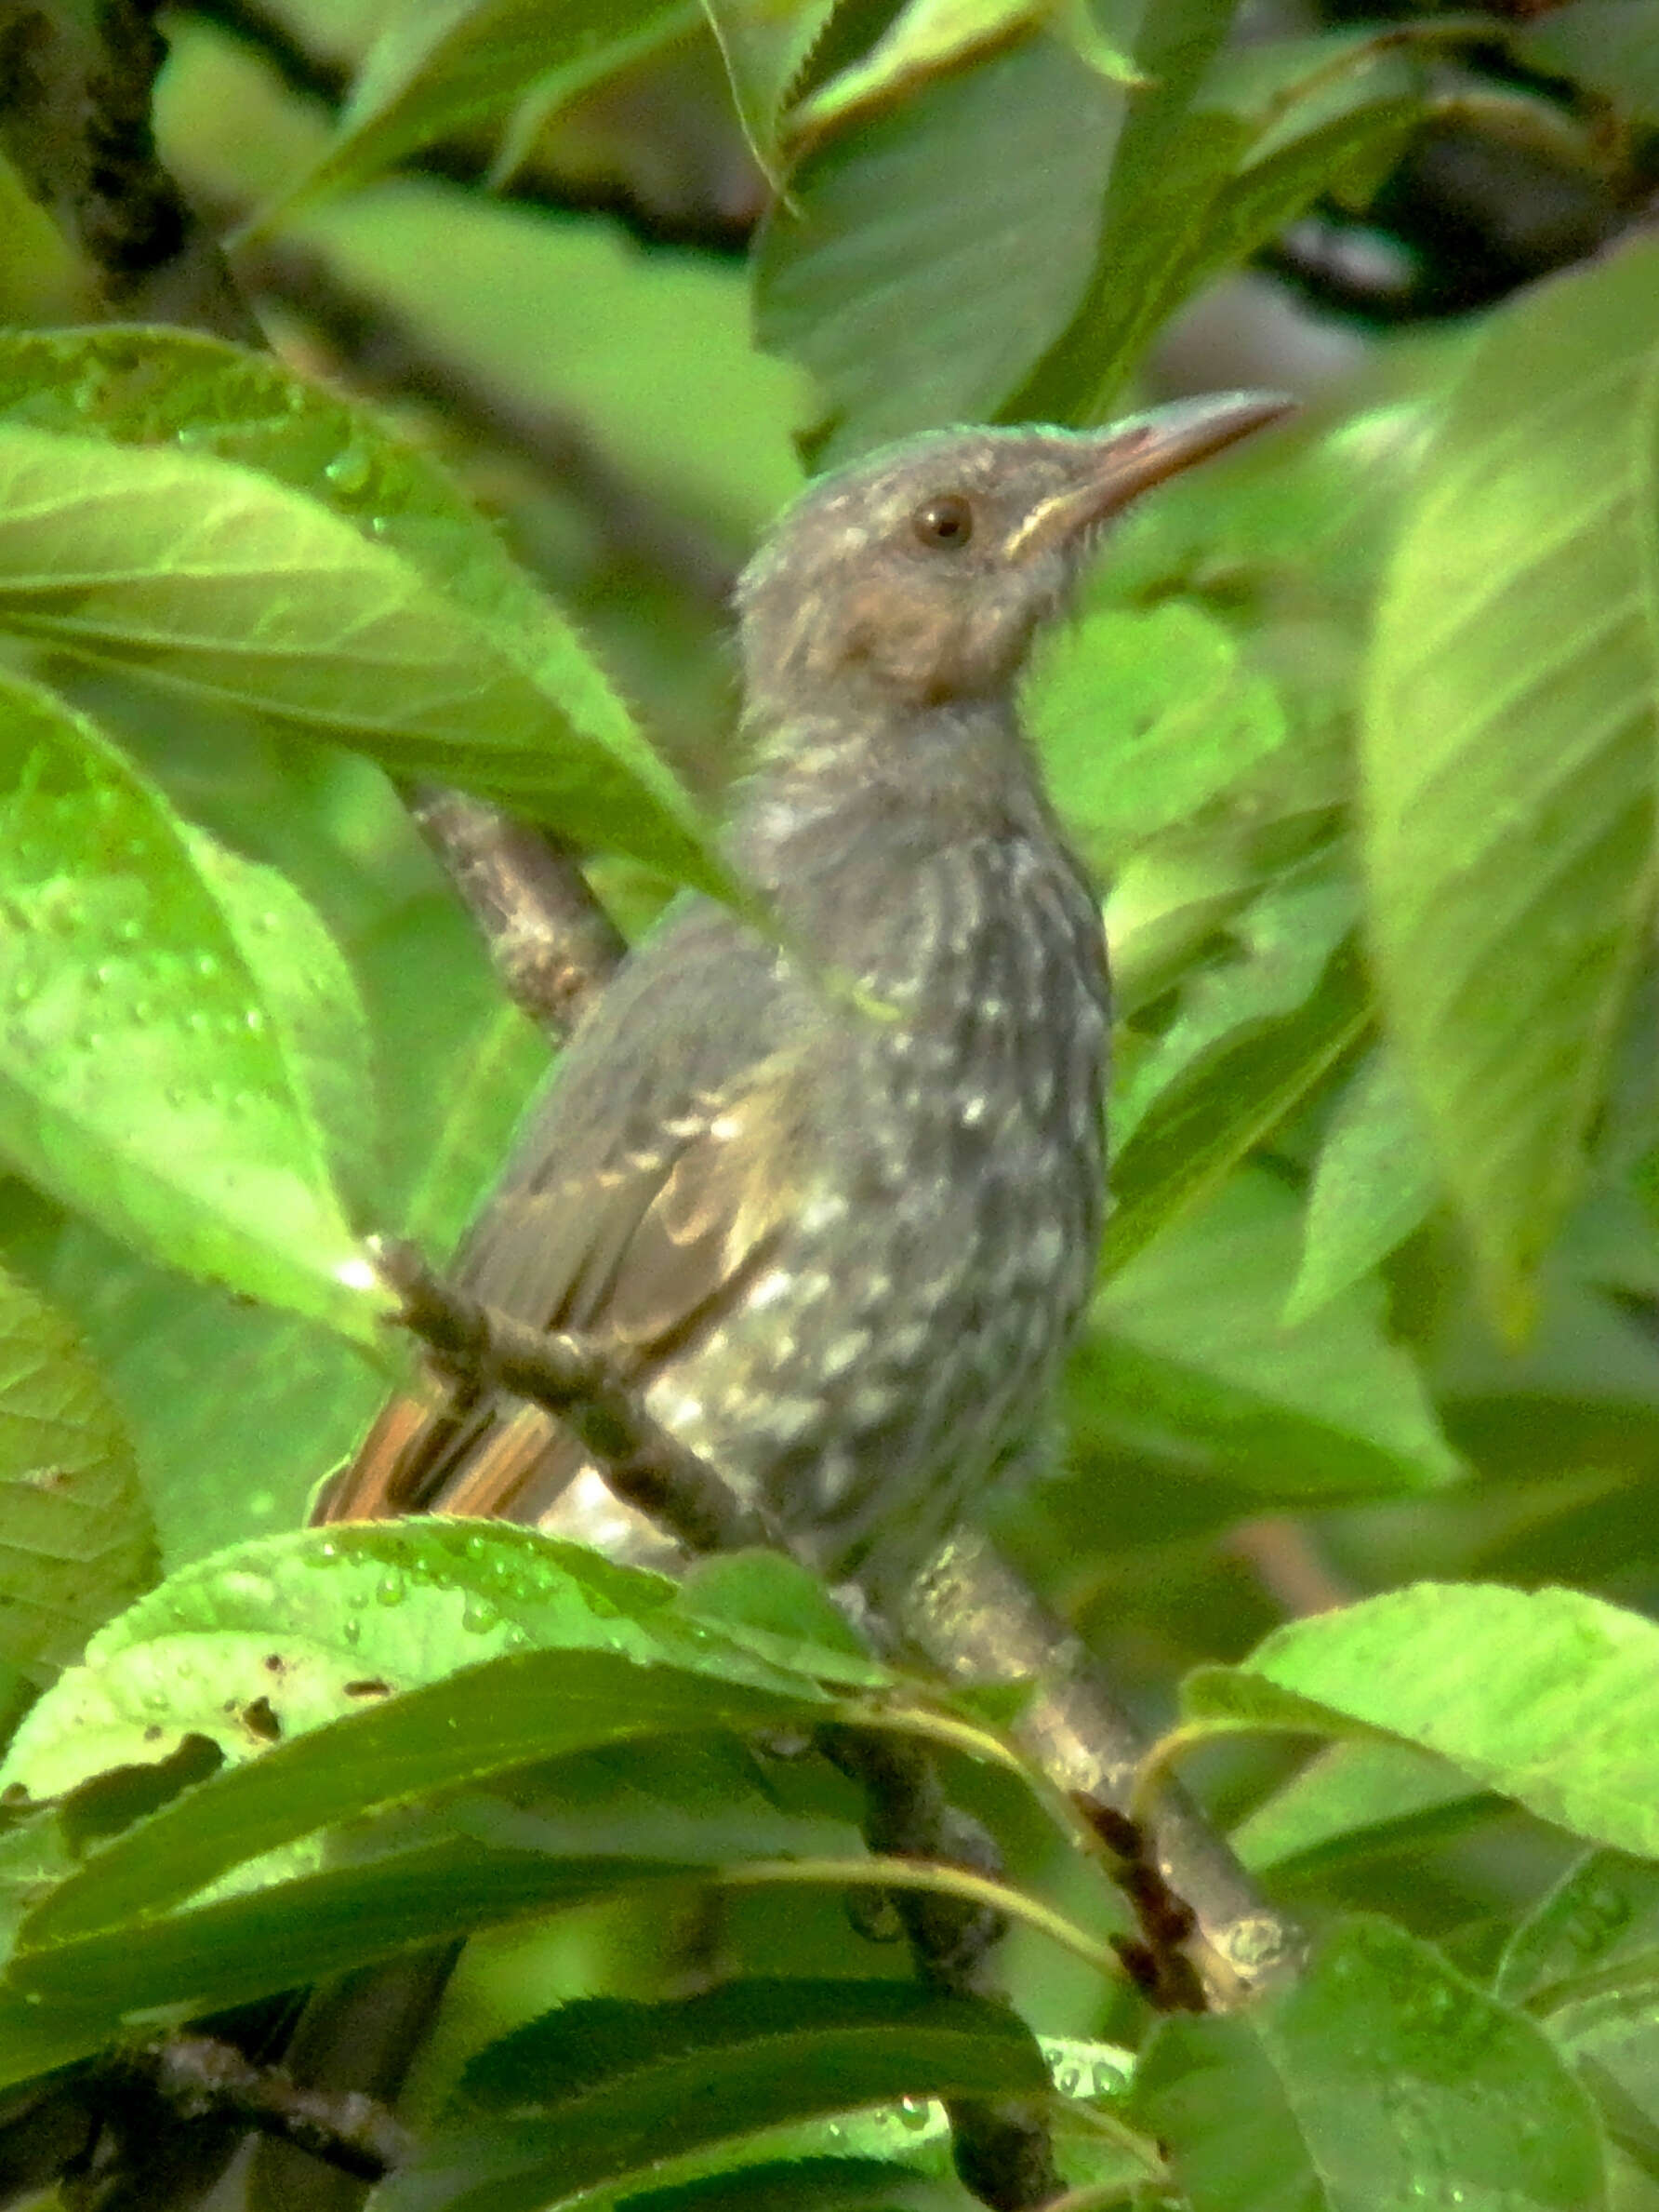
1357,729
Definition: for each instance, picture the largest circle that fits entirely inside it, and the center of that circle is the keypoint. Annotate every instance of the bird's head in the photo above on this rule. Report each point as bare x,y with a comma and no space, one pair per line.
919,576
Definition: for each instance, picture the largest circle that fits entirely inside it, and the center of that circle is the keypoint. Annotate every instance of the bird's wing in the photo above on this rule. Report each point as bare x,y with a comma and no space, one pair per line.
647,1186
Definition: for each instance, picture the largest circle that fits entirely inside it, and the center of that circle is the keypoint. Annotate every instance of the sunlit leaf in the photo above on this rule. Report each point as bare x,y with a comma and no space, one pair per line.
1142,719
1568,1725
397,1605
928,37
181,1049
206,515
1510,752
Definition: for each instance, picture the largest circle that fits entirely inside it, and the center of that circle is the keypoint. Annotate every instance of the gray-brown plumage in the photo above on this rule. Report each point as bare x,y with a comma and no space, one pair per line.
842,1250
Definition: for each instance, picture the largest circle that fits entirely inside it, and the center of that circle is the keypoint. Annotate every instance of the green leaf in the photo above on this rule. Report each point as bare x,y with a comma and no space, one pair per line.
75,1538
1143,718
1373,1184
1381,2079
931,254
605,2091
1212,163
1285,940
571,319
1356,1803
299,1926
1601,1918
1165,170
182,1050
929,37
453,63
398,1604
461,1733
765,45
1186,1347
1232,1095
1508,751
1568,1725
768,1601
205,514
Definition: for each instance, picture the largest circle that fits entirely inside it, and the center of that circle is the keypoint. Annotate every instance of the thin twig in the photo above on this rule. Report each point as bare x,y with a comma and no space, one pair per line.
1288,1566
645,1463
972,1615
199,2077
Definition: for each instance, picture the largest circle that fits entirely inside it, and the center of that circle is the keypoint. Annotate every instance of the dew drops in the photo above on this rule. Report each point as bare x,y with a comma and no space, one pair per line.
205,964
914,2112
478,1616
388,1590
349,470
351,1629
253,1020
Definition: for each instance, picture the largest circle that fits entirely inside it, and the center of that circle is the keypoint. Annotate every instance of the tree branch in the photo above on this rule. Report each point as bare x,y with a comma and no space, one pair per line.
199,2077
972,1615
76,89
552,943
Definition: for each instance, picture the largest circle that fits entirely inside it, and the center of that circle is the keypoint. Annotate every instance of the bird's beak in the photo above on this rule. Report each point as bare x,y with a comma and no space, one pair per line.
1116,465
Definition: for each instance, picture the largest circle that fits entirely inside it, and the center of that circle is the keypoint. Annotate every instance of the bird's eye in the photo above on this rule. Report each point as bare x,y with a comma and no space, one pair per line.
944,522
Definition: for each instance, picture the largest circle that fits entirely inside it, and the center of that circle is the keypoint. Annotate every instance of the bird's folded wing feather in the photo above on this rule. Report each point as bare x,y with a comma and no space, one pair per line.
646,1189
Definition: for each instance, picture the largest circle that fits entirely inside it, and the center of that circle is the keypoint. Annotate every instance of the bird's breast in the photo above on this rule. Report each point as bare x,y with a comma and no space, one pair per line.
912,1313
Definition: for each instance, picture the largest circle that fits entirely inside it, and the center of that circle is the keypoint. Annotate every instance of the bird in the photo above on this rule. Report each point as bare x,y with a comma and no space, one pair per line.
830,1194
828,1190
